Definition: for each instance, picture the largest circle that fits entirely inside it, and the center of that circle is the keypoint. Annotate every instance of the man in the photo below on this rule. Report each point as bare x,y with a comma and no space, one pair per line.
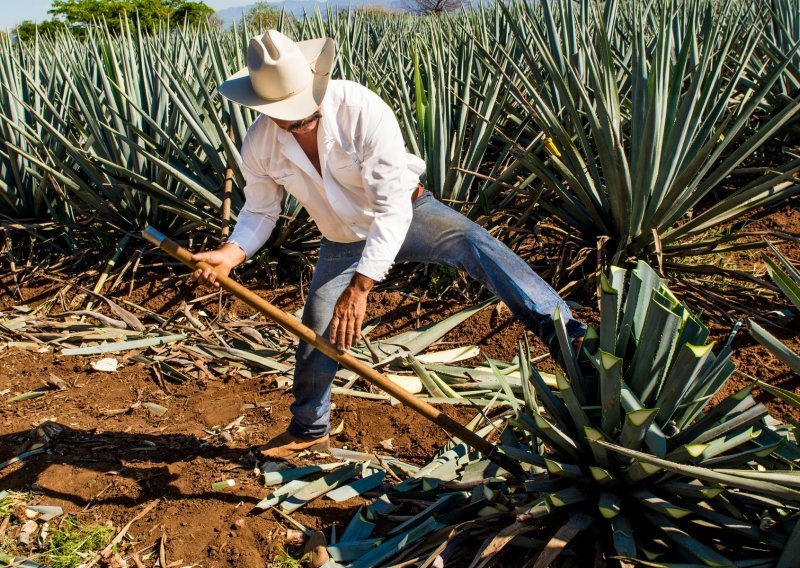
337,147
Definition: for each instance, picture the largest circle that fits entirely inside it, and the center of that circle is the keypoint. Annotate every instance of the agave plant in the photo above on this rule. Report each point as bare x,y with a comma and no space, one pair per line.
624,460
29,189
627,437
635,113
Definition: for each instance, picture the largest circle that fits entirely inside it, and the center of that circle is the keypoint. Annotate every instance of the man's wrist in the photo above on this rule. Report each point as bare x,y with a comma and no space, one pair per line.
362,283
235,252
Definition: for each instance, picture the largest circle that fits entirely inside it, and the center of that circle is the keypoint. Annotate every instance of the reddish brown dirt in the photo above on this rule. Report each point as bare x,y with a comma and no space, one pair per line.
113,457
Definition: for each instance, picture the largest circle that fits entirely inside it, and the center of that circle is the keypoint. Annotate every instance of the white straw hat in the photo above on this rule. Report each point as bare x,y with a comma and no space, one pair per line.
283,79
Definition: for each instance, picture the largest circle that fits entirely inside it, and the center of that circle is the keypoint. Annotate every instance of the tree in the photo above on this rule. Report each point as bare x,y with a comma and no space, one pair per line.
186,11
432,6
264,15
28,29
151,13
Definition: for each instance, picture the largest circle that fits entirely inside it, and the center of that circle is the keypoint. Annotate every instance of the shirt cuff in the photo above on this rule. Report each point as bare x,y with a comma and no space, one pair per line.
375,269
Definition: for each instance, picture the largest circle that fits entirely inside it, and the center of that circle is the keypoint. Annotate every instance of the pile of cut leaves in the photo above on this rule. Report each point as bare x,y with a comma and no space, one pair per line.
192,344
623,461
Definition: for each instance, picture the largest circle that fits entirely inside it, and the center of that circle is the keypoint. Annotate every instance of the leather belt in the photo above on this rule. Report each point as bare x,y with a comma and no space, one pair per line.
417,193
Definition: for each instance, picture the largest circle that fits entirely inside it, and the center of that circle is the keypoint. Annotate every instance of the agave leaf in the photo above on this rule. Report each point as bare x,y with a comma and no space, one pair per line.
685,369
692,490
635,427
449,355
786,396
687,544
569,356
601,476
427,513
570,398
788,478
600,454
395,544
351,551
729,442
576,524
609,505
504,385
419,340
319,487
660,505
249,356
430,385
363,522
707,386
737,526
544,429
643,282
610,304
774,346
654,436
732,405
562,469
743,457
281,493
286,475
741,478
30,395
495,545
789,285
744,419
567,497
124,345
610,377
524,456
356,488
554,406
409,383
624,543
654,351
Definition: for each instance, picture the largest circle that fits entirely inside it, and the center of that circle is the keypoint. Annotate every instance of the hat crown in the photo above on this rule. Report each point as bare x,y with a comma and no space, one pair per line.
277,66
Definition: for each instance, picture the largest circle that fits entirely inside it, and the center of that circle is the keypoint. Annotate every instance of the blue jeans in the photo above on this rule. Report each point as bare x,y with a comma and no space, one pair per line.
439,235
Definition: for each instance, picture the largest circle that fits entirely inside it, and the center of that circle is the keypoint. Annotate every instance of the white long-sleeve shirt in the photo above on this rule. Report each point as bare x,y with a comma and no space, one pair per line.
364,192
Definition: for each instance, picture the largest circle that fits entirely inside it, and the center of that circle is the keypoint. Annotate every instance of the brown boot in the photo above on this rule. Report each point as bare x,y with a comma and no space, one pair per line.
287,445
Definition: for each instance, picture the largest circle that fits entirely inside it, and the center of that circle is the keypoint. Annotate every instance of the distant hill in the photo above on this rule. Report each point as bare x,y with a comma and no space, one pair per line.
298,7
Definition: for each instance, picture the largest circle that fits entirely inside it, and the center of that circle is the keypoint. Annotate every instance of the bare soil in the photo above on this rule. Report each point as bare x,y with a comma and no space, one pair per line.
109,456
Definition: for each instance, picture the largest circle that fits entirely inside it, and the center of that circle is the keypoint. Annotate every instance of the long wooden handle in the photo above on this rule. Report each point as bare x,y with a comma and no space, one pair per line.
309,336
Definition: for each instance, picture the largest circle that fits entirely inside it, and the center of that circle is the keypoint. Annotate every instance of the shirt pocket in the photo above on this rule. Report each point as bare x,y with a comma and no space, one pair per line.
290,182
345,167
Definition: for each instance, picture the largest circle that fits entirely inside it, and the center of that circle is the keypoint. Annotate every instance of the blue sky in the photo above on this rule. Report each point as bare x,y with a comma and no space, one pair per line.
13,12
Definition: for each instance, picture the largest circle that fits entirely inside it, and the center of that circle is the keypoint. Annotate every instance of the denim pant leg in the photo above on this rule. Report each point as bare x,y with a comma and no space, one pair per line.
314,371
441,235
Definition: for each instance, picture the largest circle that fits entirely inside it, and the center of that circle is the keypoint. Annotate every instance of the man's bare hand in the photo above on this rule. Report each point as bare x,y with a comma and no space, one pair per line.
348,315
221,262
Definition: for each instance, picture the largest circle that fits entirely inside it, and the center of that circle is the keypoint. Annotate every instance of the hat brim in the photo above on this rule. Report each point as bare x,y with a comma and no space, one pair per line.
319,53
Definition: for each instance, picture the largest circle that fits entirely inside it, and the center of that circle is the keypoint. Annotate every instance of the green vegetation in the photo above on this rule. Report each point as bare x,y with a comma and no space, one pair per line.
74,543
624,459
265,16
643,126
76,15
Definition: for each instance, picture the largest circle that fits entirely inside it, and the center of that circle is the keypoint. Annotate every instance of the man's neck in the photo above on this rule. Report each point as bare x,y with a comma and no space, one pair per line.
308,142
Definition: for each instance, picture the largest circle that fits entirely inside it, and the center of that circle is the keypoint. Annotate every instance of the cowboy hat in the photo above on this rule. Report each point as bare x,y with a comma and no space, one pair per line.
283,79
